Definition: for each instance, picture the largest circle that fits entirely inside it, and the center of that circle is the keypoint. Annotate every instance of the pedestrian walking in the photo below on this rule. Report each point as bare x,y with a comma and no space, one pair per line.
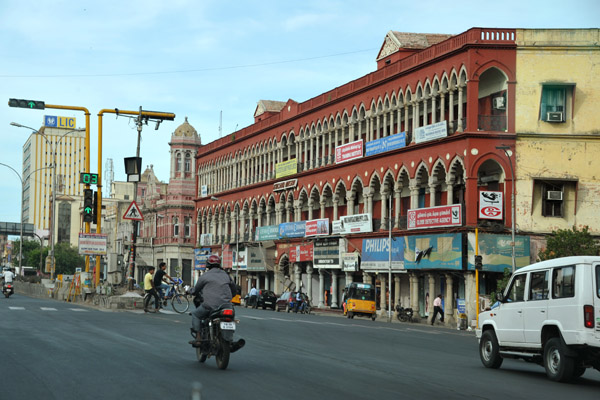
437,308
150,290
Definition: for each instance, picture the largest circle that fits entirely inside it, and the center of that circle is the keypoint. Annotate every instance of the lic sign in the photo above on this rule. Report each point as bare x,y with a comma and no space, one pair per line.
52,121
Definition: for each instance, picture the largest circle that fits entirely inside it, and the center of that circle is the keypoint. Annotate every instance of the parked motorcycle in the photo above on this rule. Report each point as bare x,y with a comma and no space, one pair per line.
7,290
216,333
404,314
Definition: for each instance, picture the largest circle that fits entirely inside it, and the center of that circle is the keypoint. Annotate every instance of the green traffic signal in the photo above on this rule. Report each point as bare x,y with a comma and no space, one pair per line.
88,205
31,104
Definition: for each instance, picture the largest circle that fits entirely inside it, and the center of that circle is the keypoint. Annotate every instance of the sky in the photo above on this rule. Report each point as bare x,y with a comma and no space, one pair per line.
198,59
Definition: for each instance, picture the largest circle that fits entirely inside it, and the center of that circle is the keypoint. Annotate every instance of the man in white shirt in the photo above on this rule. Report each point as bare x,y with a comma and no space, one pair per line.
8,276
254,296
437,308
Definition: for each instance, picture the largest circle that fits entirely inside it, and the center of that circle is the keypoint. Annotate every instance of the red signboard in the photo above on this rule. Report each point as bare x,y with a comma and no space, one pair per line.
301,253
349,151
317,227
435,217
227,257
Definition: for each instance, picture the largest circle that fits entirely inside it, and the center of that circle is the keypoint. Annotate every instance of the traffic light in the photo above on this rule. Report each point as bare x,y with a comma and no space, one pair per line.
95,208
88,205
478,263
32,104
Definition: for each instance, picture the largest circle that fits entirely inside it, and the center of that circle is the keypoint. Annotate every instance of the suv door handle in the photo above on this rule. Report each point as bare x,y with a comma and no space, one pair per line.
543,311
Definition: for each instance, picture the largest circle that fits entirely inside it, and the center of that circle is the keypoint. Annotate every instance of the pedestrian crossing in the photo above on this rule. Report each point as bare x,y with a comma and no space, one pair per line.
50,309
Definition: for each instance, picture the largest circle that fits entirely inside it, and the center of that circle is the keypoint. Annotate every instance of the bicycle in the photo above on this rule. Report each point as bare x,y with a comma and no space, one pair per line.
179,302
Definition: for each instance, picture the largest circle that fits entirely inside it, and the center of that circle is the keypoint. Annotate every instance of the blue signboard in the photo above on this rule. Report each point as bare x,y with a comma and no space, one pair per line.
292,229
376,253
496,251
200,256
384,144
270,232
52,121
461,306
433,251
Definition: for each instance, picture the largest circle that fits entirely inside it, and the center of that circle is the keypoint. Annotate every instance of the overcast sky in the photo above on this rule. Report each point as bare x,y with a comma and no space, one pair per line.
198,58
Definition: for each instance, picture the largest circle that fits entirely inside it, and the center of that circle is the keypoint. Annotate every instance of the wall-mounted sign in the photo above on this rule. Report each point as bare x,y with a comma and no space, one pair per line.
301,253
203,191
285,185
349,151
200,256
206,239
317,227
490,205
376,254
433,251
431,132
292,229
349,262
286,168
52,121
327,252
496,251
435,217
387,143
92,244
358,223
270,232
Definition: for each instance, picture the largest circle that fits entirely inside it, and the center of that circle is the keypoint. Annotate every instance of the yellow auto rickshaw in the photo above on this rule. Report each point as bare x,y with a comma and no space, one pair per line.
359,299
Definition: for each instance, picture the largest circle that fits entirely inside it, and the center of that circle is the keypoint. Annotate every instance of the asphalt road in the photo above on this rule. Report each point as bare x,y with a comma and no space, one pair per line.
58,350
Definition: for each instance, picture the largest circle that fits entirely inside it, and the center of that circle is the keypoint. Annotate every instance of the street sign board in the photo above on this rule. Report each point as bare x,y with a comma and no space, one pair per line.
133,212
92,244
53,121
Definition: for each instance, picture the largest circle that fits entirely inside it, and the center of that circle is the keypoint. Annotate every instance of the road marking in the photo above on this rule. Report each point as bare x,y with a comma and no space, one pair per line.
16,308
78,309
47,309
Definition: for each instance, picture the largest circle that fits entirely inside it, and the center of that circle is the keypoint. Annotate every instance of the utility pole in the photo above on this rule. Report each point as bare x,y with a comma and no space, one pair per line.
134,223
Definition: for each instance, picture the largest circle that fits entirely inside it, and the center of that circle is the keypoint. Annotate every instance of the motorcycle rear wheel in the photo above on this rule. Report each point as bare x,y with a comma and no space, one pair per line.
223,353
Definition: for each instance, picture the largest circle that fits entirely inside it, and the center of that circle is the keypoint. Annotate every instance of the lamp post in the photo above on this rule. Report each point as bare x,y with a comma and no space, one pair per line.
390,260
506,150
53,208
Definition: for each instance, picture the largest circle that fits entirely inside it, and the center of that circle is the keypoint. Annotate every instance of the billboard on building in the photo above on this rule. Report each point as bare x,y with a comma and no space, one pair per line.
301,253
92,244
431,132
326,252
376,254
286,168
316,227
349,262
200,256
292,229
358,223
443,251
490,205
496,251
270,232
384,144
435,217
349,151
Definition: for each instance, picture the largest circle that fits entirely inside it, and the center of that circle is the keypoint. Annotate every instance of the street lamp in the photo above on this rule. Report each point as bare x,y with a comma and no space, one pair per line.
21,218
508,153
53,208
390,260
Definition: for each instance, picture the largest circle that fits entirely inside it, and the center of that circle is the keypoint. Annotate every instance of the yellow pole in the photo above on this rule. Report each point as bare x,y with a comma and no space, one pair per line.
477,275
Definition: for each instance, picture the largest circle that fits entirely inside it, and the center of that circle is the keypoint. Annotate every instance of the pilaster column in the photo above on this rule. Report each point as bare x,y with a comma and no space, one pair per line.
310,209
384,210
432,294
449,301
321,288
449,189
309,272
432,188
425,101
297,275
397,198
383,294
443,105
414,193
396,289
350,204
334,289
414,293
451,111
378,132
459,125
322,208
433,109
335,199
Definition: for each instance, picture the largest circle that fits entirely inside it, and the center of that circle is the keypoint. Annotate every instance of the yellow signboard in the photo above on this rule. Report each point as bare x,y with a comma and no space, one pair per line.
286,168
53,121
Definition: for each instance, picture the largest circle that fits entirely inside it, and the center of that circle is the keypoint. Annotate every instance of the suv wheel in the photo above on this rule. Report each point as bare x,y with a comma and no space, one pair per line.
489,350
559,367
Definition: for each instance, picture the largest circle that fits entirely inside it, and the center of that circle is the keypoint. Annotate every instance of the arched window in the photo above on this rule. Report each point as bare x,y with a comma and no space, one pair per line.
175,227
187,226
188,162
178,163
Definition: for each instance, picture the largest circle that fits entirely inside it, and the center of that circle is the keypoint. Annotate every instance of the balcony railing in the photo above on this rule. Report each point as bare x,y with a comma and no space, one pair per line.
495,123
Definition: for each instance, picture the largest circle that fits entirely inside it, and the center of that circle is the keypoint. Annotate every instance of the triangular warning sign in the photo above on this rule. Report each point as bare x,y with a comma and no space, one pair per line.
133,212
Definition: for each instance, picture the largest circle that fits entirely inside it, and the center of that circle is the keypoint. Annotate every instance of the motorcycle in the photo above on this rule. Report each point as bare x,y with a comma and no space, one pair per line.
404,314
216,335
7,290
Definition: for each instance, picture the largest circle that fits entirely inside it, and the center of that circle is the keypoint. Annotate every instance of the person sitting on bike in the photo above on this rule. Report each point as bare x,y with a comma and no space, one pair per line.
8,277
159,278
150,291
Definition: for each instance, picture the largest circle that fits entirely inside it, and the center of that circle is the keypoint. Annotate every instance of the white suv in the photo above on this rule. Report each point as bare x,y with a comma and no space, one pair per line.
549,314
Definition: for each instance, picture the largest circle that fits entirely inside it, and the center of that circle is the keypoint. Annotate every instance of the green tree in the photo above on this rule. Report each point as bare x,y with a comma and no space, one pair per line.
67,258
31,252
567,242
501,284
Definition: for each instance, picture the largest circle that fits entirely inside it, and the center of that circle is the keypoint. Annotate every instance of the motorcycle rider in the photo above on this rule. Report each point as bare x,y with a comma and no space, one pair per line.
8,277
213,289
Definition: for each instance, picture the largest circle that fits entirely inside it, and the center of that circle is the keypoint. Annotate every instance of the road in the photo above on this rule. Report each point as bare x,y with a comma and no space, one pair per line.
58,350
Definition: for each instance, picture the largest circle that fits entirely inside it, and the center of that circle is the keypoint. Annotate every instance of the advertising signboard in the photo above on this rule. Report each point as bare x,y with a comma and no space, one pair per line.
92,244
292,229
286,168
442,251
435,217
203,191
384,144
301,253
496,251
431,132
270,232
256,259
358,223
490,205
349,262
200,256
326,253
349,151
52,121
317,227
376,254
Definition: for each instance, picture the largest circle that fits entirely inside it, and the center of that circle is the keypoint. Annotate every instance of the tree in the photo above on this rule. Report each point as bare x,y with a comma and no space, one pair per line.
67,259
566,242
31,252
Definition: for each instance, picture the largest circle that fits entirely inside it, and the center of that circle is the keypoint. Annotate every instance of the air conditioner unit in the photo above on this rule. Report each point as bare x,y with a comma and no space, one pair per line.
554,195
556,116
499,103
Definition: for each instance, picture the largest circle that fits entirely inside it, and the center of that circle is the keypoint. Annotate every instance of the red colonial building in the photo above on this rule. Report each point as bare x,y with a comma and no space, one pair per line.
305,197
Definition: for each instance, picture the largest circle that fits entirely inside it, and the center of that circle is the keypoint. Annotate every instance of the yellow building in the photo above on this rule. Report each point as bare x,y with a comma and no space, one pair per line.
558,130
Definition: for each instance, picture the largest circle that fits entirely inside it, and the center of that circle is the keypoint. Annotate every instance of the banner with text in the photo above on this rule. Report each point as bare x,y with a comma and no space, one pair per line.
301,253
435,217
431,132
286,168
270,232
376,254
349,151
384,144
292,229
433,251
327,253
359,223
317,227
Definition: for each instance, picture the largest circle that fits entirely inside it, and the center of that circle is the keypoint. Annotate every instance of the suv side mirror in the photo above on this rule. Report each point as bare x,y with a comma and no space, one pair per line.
500,297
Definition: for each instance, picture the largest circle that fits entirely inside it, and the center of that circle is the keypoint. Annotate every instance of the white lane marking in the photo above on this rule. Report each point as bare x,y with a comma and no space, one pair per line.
163,311
78,309
47,309
16,308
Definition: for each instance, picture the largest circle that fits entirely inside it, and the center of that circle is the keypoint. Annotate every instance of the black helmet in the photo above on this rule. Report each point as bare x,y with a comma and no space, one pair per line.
213,261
